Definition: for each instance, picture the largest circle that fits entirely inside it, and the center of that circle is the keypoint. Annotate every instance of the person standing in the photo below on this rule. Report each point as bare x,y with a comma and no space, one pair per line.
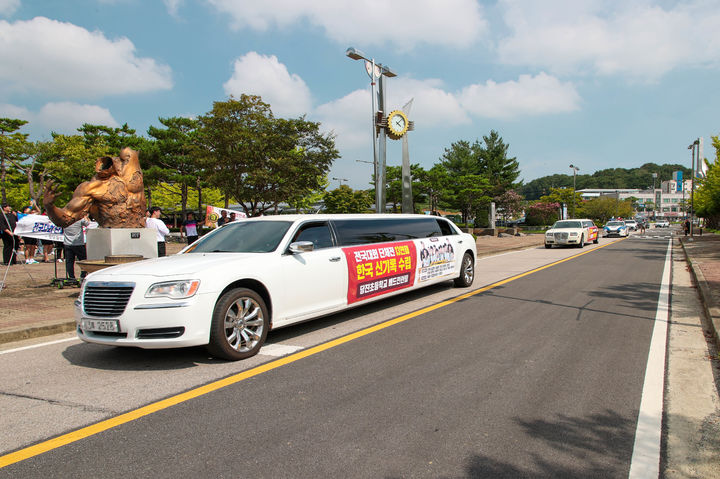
190,228
223,218
155,223
8,220
686,227
30,244
74,246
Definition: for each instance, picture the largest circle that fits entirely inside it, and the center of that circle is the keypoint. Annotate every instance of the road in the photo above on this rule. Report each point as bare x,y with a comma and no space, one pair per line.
539,372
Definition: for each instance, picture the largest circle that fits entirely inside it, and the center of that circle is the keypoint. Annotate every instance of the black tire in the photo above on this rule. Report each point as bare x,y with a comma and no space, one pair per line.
548,246
467,272
596,240
582,242
240,324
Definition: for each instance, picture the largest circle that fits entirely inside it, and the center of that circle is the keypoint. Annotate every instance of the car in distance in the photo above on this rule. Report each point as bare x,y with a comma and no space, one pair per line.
615,228
632,225
576,232
233,285
662,224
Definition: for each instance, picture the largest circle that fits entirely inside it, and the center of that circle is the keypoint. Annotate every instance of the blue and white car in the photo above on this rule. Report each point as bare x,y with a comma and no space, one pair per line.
616,228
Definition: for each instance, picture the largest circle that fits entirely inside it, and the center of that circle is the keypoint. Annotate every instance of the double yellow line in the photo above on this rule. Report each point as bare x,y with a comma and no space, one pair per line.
82,433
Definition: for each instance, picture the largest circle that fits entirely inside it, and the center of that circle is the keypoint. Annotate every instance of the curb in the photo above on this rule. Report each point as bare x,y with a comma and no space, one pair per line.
36,332
712,312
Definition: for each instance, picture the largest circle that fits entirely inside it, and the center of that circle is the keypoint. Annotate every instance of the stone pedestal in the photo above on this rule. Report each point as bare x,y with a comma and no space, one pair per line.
102,242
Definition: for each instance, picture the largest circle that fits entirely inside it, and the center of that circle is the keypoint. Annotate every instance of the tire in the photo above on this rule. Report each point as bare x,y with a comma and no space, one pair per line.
467,272
582,242
548,246
596,240
240,324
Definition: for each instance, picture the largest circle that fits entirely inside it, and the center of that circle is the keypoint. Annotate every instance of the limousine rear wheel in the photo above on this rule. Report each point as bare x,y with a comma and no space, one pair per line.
467,272
239,325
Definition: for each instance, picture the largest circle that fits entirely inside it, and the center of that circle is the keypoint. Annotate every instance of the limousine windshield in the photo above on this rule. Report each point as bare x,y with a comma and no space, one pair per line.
243,237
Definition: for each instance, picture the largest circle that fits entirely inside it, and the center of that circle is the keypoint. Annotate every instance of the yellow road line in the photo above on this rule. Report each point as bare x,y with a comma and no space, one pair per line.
82,433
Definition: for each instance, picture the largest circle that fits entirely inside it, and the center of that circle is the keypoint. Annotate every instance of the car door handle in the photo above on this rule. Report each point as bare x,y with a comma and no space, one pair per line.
335,259
459,241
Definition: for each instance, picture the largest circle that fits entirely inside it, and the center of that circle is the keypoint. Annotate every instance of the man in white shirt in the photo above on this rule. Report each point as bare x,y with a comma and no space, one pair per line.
154,222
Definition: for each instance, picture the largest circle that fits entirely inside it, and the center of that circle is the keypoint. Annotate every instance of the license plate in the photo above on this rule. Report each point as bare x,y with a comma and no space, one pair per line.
100,325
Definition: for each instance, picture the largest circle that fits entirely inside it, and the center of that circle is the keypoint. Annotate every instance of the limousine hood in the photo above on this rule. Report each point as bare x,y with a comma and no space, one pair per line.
181,264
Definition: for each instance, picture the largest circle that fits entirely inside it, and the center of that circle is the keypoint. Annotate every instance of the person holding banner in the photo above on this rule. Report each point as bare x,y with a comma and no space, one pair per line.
8,220
74,245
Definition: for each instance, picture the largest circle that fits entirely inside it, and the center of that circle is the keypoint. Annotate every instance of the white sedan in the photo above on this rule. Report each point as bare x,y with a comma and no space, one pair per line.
616,228
571,233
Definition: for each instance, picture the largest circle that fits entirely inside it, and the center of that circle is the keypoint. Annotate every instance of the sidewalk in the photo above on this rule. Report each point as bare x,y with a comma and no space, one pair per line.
30,307
703,257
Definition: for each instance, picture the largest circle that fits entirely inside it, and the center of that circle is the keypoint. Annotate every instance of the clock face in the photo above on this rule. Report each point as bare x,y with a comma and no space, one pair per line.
397,124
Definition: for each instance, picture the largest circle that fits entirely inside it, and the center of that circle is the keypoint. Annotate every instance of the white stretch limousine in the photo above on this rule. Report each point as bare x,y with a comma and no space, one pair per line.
228,289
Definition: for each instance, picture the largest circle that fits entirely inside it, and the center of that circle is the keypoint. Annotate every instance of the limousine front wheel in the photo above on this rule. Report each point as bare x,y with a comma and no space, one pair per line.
239,325
467,272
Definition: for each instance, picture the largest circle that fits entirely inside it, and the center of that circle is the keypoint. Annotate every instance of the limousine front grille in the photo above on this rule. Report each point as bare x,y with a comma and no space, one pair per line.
561,235
107,300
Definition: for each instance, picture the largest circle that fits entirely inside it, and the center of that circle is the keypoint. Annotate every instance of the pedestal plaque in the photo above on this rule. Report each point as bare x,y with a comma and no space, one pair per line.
103,242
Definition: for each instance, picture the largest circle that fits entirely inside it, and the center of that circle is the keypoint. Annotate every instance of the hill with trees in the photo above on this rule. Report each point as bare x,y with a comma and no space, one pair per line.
608,178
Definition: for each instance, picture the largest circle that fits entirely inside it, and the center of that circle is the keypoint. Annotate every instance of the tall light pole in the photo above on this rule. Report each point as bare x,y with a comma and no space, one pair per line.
692,146
376,71
575,170
340,180
655,201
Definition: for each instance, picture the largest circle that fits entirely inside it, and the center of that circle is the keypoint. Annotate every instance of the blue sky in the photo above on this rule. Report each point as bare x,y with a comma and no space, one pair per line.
595,83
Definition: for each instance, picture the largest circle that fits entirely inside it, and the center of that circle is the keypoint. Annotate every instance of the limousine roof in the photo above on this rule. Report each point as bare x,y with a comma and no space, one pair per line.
324,217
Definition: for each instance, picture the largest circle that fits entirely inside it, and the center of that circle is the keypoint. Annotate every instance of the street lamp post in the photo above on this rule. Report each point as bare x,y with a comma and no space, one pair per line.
340,180
575,170
376,71
692,146
655,201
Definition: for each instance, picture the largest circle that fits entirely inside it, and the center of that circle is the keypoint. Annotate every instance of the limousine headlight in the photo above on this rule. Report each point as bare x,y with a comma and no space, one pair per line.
174,289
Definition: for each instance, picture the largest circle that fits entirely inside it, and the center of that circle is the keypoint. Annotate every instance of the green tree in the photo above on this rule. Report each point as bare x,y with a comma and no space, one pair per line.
174,157
261,160
434,185
707,194
345,200
393,176
494,163
542,213
510,203
564,195
109,140
602,208
13,148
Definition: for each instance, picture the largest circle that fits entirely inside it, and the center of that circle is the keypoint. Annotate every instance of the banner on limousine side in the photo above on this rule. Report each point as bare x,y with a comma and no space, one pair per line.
437,258
378,269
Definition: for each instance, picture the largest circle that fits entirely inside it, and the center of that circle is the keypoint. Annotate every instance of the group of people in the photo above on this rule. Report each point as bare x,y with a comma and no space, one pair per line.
72,247
73,244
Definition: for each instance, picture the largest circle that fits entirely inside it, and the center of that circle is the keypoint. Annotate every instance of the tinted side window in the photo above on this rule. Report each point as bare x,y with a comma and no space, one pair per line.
445,228
356,232
317,233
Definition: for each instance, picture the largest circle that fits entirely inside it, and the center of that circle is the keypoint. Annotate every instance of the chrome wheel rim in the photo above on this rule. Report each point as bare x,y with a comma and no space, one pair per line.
244,323
468,270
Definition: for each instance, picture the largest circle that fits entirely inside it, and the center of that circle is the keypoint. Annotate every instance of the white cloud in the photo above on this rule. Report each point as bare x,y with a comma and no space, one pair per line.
638,39
63,60
8,7
60,117
256,74
173,7
529,95
404,23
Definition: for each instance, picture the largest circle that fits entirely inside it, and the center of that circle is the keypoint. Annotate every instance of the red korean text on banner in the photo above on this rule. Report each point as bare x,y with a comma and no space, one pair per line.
378,269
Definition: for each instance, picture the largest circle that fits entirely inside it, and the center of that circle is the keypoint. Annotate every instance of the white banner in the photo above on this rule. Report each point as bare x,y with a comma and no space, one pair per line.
213,213
38,226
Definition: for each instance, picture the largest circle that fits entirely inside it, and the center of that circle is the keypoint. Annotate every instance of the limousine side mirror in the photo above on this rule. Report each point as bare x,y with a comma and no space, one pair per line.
301,247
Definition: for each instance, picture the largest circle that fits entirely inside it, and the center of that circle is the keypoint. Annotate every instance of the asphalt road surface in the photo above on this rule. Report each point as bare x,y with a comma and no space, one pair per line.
537,374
